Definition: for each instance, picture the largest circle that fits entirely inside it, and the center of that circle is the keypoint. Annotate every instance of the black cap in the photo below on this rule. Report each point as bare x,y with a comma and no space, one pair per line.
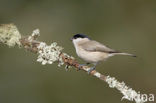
80,36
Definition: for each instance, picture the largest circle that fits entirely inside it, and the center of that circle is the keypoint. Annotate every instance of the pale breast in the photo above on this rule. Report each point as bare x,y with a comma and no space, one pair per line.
91,57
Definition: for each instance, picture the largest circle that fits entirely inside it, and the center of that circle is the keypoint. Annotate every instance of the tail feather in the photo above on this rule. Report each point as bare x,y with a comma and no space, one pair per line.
120,53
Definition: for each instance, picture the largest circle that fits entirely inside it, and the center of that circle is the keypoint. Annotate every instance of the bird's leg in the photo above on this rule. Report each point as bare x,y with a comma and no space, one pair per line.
92,68
81,65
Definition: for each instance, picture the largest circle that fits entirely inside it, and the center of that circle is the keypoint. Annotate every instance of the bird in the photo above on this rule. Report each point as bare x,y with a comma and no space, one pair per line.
93,52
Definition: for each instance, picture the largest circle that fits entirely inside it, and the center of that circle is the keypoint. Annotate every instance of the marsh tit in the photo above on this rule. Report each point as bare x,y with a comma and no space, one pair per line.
92,51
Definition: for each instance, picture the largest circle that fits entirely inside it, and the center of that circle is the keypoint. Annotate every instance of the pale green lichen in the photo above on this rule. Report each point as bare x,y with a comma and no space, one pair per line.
128,93
48,54
34,35
9,35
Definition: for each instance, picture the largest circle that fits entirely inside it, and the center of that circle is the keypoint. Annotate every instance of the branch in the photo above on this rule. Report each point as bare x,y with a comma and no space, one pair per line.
49,54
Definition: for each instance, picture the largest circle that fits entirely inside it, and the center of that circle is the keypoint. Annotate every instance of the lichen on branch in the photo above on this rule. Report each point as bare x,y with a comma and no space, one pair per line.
49,54
9,35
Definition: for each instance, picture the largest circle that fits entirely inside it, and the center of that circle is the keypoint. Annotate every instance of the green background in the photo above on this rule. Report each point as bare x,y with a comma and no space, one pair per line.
125,25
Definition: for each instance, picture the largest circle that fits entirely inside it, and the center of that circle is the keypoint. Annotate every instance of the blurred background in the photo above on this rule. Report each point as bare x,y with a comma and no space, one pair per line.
125,25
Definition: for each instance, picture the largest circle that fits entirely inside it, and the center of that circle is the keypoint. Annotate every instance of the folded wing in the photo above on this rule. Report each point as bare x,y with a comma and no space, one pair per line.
94,46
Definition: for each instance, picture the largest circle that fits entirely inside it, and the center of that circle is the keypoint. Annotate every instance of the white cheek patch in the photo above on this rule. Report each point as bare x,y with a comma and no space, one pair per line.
80,40
77,40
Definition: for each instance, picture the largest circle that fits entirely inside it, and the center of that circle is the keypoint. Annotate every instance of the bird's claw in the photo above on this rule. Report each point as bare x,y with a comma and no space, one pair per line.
80,66
91,69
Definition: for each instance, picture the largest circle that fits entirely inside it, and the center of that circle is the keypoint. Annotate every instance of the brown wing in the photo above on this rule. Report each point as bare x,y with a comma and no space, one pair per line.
94,46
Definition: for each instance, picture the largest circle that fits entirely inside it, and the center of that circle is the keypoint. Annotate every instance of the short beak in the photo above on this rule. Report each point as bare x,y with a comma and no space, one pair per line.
71,39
